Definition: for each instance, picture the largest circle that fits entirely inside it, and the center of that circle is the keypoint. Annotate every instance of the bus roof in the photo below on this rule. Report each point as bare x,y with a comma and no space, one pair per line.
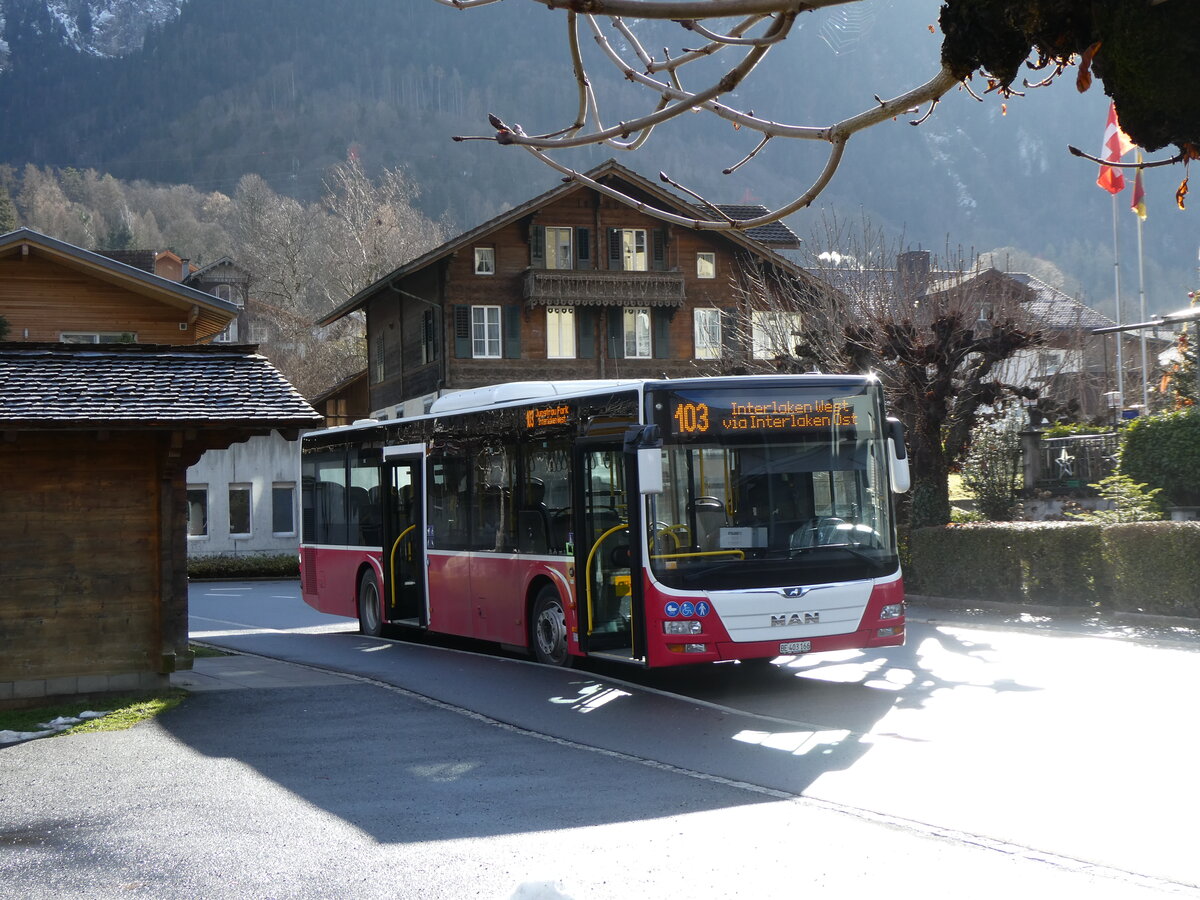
513,392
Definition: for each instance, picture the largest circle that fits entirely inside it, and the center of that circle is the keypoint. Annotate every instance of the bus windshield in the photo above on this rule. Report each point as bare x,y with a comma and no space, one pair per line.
774,485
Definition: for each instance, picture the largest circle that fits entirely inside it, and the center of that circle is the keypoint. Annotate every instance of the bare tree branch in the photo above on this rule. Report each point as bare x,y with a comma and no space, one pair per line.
761,25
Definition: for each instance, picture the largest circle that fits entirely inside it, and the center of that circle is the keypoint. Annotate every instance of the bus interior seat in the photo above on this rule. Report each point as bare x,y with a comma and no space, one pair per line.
710,519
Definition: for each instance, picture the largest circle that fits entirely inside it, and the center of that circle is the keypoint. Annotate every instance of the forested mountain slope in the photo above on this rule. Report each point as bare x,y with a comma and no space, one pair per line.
285,88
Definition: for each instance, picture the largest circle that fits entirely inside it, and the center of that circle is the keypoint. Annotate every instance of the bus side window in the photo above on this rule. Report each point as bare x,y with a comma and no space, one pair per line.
365,523
331,499
449,502
545,498
494,518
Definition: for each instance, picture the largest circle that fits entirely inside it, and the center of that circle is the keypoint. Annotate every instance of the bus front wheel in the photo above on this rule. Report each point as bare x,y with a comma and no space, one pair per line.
550,629
370,622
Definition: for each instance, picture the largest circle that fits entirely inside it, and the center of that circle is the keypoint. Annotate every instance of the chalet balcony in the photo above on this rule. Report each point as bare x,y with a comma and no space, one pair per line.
589,287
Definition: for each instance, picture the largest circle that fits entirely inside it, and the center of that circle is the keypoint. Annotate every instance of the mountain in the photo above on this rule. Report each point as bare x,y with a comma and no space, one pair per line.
285,88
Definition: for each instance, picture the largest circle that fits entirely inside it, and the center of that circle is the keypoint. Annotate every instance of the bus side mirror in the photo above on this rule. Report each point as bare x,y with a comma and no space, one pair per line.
647,441
650,470
897,457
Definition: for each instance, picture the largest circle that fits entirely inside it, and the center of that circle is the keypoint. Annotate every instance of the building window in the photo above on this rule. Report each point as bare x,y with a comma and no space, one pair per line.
774,334
485,260
197,507
706,265
428,336
560,332
377,369
229,335
708,333
633,249
283,509
558,248
637,332
239,510
485,332
98,337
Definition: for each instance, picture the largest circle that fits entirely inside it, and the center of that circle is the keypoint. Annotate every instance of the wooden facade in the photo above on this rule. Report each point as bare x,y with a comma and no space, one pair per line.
49,290
420,325
95,442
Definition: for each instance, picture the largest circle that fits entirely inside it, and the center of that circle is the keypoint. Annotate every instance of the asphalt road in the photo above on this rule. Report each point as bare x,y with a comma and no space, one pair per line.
979,759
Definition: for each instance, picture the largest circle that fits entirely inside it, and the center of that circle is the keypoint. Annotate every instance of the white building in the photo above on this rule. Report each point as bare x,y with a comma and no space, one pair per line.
245,500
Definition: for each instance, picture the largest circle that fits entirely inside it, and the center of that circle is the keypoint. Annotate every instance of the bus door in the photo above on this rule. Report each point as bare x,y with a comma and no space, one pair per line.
404,536
608,593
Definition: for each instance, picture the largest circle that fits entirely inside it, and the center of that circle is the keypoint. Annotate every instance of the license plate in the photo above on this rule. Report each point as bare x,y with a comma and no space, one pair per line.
790,647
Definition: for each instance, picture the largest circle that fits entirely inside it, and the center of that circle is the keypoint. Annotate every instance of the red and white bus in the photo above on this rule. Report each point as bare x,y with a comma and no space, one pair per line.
654,522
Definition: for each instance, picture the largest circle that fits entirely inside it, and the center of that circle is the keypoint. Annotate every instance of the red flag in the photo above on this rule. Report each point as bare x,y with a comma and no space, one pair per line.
1139,194
1116,145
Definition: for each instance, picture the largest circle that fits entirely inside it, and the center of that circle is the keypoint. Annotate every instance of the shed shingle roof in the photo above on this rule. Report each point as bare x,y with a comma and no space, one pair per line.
117,385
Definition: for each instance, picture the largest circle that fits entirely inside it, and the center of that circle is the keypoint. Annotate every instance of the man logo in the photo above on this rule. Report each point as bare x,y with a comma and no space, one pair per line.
795,619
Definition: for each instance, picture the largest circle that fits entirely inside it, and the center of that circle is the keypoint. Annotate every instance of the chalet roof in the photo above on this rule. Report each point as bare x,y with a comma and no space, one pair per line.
139,259
774,233
212,314
1050,308
145,385
1056,310
224,262
608,169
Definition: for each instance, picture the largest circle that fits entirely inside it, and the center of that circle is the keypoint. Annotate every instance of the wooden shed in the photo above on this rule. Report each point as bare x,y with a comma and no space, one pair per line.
95,442
105,400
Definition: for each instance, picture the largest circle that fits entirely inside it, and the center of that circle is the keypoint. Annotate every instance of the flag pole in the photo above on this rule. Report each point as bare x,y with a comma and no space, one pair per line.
1142,311
1120,366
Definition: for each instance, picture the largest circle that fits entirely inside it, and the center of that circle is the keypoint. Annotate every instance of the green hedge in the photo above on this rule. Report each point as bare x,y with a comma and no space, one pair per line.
1144,567
278,565
1164,451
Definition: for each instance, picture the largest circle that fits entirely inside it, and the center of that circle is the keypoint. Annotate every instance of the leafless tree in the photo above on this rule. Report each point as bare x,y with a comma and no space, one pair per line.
305,259
936,334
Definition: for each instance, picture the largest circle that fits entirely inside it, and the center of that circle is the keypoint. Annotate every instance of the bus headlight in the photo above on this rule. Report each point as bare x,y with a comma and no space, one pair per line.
682,628
892,611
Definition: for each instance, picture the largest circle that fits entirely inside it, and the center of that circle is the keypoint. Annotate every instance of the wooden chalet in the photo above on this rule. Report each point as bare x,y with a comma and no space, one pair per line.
571,284
105,400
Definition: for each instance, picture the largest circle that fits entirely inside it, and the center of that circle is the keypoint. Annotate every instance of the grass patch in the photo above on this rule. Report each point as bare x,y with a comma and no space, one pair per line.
126,712
199,650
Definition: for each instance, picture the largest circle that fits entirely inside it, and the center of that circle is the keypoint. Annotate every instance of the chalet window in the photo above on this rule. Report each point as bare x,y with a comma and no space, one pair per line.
283,509
627,249
706,265
558,248
774,333
377,367
428,337
101,337
637,332
239,510
485,332
229,335
560,332
226,292
485,260
708,333
197,506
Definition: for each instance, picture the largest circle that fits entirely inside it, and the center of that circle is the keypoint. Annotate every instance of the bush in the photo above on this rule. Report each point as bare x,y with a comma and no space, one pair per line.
1154,567
279,565
1164,451
1143,567
1131,502
992,469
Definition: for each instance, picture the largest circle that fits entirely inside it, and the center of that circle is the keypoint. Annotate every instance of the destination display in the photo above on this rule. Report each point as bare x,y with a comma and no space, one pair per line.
540,416
727,414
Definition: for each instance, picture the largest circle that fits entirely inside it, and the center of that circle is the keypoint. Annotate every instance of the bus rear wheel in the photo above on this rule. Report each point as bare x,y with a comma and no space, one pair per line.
370,621
549,627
